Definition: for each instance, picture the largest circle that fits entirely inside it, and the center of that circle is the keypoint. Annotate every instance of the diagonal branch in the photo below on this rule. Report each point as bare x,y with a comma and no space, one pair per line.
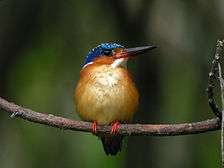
124,129
221,82
214,74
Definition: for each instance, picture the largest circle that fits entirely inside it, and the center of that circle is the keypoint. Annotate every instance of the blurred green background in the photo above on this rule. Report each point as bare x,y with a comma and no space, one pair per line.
42,47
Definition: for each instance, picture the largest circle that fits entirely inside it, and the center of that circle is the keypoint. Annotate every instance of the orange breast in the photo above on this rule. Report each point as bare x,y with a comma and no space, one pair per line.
105,94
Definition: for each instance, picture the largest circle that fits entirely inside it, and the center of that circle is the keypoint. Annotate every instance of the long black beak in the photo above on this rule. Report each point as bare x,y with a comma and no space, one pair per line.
129,52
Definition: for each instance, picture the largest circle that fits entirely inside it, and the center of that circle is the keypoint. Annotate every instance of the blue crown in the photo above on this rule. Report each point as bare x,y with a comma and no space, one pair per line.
99,50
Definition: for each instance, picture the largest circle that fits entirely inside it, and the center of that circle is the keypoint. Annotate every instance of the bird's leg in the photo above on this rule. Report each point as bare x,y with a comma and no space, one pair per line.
94,127
114,127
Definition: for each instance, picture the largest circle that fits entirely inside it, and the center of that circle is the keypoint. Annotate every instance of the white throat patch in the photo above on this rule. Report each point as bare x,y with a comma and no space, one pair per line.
119,62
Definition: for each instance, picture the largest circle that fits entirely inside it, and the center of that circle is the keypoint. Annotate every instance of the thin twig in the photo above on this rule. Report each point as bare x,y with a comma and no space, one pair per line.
124,129
213,75
222,121
221,82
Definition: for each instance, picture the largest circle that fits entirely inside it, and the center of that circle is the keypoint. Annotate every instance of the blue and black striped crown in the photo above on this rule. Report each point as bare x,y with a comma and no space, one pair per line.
99,50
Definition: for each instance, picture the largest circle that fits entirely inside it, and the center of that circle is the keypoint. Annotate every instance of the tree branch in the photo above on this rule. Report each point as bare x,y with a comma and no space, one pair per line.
133,129
124,129
214,74
221,82
222,118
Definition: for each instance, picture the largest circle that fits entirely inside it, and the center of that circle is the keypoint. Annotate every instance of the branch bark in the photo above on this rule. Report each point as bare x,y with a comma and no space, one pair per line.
124,129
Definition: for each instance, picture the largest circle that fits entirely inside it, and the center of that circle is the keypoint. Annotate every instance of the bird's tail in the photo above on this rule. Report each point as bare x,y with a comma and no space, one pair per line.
112,143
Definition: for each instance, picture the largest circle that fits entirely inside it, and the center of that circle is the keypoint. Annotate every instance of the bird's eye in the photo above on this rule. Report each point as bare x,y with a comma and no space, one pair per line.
107,52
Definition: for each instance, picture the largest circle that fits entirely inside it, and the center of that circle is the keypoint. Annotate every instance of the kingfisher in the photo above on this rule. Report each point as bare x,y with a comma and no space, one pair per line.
105,93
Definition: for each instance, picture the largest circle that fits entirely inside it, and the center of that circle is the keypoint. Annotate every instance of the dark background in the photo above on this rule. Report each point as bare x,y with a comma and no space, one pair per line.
42,47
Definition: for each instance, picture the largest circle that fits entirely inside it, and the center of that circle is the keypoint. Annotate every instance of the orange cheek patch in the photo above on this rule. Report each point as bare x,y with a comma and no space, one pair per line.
120,53
118,50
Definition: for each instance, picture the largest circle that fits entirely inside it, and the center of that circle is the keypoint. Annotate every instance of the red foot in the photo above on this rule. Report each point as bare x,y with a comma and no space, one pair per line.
114,127
94,127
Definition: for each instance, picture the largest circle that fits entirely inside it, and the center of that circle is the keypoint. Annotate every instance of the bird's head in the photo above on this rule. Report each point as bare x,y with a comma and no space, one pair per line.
115,53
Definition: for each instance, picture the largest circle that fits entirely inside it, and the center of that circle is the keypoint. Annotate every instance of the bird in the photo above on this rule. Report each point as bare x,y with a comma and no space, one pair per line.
105,93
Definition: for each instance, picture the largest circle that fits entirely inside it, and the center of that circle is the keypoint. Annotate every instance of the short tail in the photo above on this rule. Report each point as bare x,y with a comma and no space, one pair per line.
112,143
